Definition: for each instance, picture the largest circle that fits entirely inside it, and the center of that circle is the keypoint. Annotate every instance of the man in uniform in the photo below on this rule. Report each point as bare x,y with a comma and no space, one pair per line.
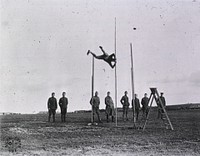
52,106
63,102
161,114
125,103
109,107
144,102
137,106
160,110
95,102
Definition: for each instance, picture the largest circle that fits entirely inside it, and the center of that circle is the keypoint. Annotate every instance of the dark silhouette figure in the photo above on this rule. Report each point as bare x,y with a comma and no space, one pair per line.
109,107
160,109
144,102
137,106
110,59
63,102
95,102
52,106
125,103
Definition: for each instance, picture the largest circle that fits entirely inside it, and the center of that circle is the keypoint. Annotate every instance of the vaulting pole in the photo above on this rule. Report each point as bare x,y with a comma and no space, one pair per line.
92,93
115,73
133,87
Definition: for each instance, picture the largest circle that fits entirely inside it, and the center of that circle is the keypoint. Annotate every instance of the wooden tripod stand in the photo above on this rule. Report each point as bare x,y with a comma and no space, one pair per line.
155,95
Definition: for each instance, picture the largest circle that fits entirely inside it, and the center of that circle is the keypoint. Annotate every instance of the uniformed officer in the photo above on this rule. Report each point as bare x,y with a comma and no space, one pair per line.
109,107
137,106
144,102
95,102
160,110
63,102
125,103
52,106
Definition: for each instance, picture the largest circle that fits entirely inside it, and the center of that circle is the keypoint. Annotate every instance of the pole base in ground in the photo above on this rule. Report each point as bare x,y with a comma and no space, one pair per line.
134,126
93,124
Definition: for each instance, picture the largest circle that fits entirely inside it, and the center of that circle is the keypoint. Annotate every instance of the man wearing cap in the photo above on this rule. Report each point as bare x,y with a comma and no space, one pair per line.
95,102
109,107
63,102
160,110
125,103
52,106
144,102
137,106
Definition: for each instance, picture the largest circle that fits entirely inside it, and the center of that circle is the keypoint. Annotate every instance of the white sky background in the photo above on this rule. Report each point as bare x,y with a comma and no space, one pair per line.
44,44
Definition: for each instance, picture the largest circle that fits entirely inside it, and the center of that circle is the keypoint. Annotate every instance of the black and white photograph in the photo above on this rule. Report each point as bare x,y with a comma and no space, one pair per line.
100,77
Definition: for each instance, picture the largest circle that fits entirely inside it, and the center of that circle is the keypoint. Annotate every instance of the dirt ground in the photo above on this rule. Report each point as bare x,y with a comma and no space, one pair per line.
75,137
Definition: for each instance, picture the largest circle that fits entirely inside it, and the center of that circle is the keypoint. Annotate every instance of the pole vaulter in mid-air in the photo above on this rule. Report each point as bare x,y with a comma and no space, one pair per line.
110,59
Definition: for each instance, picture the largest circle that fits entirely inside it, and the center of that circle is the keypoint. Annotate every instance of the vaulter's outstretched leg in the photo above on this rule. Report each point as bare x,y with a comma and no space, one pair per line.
93,54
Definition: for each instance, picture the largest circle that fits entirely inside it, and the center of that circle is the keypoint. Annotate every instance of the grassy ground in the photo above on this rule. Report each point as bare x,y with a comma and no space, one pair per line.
39,137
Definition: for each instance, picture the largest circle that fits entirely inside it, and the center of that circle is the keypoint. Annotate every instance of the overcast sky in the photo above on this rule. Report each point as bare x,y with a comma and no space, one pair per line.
44,44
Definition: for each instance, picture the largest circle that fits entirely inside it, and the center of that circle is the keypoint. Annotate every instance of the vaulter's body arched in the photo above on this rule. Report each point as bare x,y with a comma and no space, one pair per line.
110,59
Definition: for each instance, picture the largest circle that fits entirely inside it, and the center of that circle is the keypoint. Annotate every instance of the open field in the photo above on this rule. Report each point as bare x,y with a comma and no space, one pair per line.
39,137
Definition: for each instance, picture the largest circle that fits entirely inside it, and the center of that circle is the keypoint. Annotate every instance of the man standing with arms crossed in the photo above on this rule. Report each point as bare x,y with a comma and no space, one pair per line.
63,102
52,106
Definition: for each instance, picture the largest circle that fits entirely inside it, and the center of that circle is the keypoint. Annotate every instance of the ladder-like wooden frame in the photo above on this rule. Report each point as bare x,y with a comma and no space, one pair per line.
153,95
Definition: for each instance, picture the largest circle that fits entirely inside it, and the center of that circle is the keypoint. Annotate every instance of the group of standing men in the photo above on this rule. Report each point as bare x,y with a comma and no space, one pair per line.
95,102
125,103
144,103
52,106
